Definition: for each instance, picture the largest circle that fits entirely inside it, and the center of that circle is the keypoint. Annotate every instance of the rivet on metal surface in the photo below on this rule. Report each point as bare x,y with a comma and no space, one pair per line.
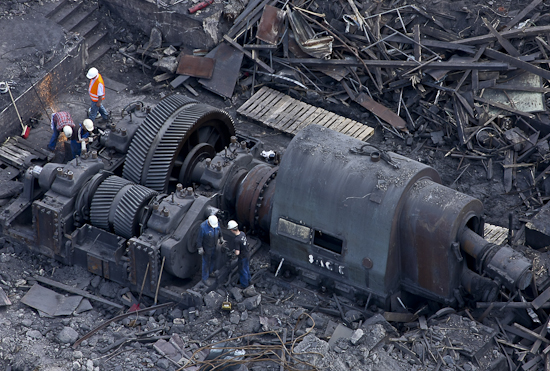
367,263
208,162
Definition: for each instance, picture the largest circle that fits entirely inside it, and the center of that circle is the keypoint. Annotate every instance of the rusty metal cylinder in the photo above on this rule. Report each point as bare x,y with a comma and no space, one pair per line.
255,197
481,288
475,245
501,263
432,218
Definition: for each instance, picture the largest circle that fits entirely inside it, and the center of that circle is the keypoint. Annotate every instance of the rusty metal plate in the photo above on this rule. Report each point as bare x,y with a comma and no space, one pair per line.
196,66
381,111
271,25
95,265
226,70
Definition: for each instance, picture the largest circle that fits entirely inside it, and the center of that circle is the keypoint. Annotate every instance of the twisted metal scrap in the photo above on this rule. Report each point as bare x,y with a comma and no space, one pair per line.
258,353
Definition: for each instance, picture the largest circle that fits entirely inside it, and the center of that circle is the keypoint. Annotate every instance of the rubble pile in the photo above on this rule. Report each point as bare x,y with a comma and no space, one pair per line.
466,80
462,80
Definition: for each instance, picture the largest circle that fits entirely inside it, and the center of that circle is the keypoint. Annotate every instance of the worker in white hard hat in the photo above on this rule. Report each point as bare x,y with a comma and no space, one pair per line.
60,121
81,137
96,89
241,247
209,236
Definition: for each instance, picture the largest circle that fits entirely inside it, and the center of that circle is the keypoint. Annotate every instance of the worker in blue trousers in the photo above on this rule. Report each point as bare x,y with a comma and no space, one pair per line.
242,250
81,137
207,240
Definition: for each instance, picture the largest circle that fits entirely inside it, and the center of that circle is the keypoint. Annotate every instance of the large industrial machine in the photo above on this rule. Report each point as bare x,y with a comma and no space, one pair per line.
338,212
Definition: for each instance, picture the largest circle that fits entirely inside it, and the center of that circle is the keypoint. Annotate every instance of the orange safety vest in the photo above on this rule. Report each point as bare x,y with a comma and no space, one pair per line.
93,87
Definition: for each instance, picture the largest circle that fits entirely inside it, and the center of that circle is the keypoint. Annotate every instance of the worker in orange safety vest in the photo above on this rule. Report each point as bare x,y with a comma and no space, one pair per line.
96,89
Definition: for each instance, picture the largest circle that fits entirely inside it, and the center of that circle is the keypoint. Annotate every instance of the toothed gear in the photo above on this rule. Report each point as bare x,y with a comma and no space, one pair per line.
102,201
144,138
129,210
161,144
195,125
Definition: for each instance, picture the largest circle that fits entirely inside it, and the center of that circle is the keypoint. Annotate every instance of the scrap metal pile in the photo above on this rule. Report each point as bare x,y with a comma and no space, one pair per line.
466,80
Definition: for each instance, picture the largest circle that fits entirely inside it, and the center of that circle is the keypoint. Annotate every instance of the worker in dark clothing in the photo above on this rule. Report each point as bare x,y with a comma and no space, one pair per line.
209,236
81,137
61,122
242,250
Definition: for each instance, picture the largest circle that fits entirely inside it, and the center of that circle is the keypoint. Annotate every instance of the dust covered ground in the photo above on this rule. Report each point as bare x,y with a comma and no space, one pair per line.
32,341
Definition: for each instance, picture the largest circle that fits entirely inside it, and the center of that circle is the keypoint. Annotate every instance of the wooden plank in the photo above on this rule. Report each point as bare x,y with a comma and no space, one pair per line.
342,124
251,100
541,299
299,120
361,135
355,129
269,102
335,122
279,108
263,104
328,116
321,118
350,128
311,118
368,133
289,116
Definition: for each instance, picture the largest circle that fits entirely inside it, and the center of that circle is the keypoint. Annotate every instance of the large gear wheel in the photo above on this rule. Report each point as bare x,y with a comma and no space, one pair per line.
147,132
162,143
129,211
103,199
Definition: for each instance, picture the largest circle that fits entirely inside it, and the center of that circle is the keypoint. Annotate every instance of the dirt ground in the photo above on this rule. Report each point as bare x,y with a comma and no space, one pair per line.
32,341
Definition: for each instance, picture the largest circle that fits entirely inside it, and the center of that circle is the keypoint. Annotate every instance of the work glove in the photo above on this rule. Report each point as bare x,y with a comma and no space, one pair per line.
200,250
90,140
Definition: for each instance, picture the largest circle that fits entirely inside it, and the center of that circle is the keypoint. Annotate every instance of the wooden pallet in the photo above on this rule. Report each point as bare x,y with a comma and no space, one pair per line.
281,112
495,234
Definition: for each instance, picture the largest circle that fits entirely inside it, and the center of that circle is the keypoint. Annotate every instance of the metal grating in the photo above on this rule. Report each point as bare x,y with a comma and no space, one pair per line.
281,112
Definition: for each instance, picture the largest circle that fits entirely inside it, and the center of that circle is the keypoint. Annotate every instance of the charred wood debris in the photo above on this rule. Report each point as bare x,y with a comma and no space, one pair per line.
470,83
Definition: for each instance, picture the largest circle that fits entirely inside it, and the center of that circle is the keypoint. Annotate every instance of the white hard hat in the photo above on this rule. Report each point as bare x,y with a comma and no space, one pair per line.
68,131
88,124
232,224
92,72
213,221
